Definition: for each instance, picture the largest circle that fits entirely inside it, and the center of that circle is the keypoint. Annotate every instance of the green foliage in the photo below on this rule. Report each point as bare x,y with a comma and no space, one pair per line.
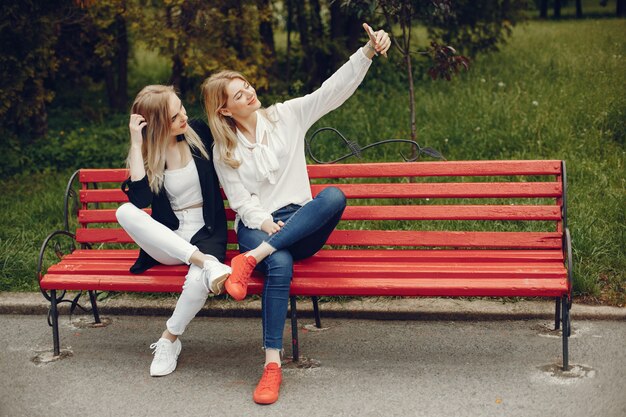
28,32
186,31
475,26
70,147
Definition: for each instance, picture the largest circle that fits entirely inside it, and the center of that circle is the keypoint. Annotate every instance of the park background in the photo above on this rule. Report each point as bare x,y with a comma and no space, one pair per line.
547,80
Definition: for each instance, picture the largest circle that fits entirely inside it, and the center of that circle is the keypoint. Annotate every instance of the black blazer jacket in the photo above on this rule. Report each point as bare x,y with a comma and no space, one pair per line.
212,238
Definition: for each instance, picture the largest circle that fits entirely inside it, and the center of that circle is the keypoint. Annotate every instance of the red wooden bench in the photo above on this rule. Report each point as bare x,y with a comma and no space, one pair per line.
466,228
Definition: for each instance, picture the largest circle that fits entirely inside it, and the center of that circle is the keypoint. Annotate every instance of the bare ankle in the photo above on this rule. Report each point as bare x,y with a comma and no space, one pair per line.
262,251
167,335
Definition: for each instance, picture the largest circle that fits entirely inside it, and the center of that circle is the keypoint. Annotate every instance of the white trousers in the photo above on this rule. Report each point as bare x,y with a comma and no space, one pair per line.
171,247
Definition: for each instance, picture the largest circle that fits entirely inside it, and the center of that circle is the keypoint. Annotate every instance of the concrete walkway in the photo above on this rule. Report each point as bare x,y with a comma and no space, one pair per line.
366,308
430,357
360,368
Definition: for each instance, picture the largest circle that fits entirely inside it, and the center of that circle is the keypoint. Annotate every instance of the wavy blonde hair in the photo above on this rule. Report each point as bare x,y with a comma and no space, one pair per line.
223,127
152,103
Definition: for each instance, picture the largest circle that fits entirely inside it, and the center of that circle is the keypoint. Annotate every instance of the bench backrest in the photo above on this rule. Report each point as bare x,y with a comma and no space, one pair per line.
457,204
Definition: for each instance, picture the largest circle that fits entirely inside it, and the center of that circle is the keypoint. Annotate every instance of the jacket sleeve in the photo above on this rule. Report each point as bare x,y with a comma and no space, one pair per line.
138,192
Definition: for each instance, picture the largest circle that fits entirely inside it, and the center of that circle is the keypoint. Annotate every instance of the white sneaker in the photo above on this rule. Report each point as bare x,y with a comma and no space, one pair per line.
165,356
217,273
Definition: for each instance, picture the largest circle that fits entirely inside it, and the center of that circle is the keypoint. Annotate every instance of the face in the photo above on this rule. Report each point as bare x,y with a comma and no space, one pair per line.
178,116
242,100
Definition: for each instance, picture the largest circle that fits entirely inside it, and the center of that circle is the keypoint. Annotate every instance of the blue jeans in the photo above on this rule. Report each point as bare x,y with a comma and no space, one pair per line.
305,231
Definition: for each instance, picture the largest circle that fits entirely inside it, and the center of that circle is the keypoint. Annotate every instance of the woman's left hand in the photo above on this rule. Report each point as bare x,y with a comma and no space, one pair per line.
379,40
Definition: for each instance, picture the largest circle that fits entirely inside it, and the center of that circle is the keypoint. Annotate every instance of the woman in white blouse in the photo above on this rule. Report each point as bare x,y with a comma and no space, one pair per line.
260,161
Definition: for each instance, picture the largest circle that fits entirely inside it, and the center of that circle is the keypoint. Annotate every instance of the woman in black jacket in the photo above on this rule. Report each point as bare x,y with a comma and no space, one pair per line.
170,170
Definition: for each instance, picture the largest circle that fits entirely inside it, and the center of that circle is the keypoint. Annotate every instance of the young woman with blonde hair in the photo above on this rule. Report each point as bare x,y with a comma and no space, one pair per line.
172,171
259,158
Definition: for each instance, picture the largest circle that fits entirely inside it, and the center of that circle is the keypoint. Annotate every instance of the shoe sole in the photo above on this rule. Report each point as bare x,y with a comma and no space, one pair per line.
217,286
173,367
264,402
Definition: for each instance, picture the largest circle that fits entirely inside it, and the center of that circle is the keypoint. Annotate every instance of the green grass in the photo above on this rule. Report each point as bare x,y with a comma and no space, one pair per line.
555,91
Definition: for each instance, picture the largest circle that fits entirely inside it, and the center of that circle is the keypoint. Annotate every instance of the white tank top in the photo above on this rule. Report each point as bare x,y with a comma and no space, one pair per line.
183,186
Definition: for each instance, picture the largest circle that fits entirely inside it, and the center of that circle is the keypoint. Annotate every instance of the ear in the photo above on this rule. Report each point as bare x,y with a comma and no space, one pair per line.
225,112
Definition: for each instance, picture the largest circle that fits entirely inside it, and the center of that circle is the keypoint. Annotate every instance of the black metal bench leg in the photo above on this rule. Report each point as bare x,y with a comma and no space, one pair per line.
557,314
316,312
94,306
294,330
566,331
54,315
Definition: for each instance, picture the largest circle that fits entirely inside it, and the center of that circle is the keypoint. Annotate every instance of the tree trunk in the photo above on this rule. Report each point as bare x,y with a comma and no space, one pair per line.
109,82
303,27
620,10
579,9
321,59
266,29
39,119
177,78
543,9
121,92
288,63
557,9
345,33
306,41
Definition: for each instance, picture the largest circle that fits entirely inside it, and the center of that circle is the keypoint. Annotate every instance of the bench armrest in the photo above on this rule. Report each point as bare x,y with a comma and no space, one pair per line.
69,193
51,239
568,259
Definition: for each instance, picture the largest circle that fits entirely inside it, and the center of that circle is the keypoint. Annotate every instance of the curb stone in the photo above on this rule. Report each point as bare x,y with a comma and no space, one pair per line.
382,308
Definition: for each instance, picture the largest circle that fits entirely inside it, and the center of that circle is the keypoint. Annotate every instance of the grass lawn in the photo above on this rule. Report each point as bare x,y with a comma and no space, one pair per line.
557,90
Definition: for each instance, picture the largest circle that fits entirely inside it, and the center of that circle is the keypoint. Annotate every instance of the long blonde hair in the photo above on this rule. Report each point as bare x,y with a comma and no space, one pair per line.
152,103
223,127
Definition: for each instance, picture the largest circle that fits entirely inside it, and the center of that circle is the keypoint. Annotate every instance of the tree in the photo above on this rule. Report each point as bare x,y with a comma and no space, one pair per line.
27,62
475,26
105,54
186,31
579,9
557,9
620,9
543,9
266,30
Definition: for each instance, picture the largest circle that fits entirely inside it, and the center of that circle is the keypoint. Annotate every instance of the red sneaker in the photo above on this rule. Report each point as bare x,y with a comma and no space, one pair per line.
237,283
266,391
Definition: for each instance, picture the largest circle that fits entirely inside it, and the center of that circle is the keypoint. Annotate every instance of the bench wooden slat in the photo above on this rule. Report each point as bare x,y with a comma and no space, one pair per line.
436,169
422,212
452,212
448,190
103,175
316,286
489,287
365,269
384,190
345,255
514,240
399,169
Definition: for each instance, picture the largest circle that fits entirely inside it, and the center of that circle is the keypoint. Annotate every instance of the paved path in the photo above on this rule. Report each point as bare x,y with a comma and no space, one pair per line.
367,368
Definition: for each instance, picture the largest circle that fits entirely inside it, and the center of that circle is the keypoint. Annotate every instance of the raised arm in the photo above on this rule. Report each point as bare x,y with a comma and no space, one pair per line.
341,85
137,187
135,159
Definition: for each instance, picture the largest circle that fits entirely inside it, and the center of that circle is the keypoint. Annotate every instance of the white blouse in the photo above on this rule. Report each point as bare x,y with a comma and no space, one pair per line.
273,171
